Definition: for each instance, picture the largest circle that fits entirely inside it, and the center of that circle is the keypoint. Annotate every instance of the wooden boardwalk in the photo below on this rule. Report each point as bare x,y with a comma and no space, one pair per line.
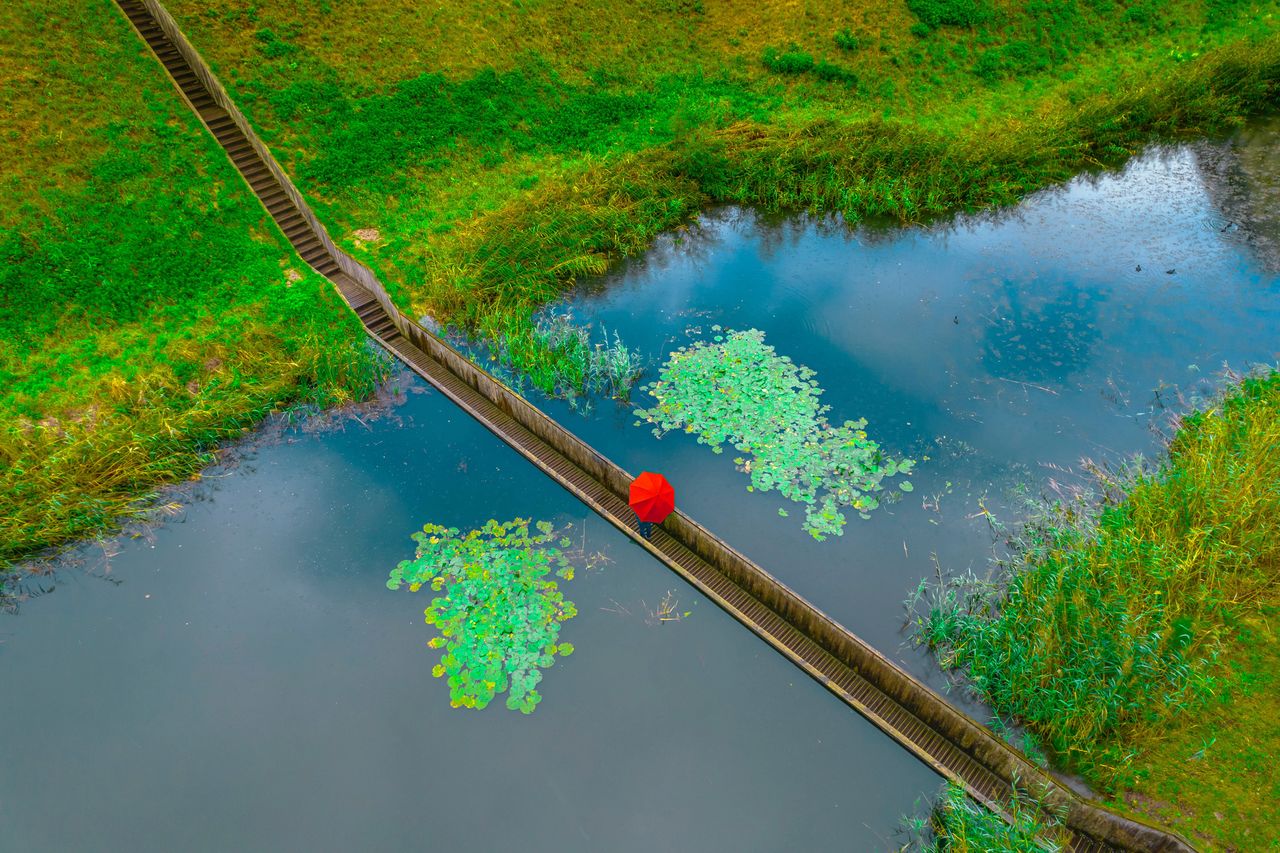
955,746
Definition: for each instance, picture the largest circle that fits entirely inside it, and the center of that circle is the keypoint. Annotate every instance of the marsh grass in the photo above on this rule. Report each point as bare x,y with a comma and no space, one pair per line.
957,824
1211,774
1111,612
557,356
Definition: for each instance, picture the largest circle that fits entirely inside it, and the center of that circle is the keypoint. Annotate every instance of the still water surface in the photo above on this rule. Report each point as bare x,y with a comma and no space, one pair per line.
1004,348
245,680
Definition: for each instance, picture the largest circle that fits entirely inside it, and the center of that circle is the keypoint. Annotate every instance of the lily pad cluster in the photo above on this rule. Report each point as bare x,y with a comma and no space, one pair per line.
735,388
499,613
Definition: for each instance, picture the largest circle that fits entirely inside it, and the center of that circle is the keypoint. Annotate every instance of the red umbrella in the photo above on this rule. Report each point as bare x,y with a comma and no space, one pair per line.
652,497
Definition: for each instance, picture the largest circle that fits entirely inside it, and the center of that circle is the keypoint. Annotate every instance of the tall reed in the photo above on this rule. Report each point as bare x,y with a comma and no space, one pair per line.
1111,608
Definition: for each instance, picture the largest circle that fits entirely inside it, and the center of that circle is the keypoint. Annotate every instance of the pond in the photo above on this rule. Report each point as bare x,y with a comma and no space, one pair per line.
246,680
1005,348
243,678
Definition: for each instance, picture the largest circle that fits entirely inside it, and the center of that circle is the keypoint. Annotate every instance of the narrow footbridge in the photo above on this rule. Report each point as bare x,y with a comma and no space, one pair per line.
949,741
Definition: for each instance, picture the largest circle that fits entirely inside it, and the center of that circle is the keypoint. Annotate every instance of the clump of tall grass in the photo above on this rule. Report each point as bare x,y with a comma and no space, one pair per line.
958,824
516,259
793,60
1111,607
561,358
952,13
76,472
875,167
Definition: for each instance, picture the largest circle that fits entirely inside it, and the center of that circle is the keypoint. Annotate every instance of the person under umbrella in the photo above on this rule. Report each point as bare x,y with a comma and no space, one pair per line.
652,500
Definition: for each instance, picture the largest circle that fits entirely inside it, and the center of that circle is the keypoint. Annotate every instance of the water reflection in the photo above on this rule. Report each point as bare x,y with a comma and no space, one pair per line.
248,682
1041,335
1242,178
1005,346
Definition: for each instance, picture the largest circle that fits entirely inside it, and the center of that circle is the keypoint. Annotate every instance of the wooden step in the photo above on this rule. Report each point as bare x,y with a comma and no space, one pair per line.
255,172
272,196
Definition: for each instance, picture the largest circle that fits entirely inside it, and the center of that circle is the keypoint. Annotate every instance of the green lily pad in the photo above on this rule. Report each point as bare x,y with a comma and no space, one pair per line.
736,389
499,615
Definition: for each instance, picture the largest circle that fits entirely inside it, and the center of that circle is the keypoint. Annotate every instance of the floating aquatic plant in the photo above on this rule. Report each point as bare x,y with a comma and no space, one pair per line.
736,388
499,615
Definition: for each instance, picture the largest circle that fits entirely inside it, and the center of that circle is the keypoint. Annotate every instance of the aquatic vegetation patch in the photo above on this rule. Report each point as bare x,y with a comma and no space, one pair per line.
499,615
737,389
560,358
957,823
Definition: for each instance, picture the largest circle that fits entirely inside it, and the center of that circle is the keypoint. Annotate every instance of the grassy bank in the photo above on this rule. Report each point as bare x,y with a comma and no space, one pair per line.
148,310
1133,629
500,150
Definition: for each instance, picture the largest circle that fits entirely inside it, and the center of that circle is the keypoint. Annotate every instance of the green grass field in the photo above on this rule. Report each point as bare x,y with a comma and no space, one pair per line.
499,150
148,309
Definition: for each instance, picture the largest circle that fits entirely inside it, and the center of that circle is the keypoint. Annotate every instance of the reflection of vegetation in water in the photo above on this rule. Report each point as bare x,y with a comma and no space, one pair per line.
736,388
957,823
555,355
1114,612
499,616
1038,339
1242,180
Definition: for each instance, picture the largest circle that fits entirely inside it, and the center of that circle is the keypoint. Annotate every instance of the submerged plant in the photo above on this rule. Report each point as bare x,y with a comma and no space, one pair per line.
499,615
737,389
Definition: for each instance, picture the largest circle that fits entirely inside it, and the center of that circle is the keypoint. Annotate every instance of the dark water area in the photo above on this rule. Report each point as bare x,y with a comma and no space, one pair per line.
245,681
1005,348
242,679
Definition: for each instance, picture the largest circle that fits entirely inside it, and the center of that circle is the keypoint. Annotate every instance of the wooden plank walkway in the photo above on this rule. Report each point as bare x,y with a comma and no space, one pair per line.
955,757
